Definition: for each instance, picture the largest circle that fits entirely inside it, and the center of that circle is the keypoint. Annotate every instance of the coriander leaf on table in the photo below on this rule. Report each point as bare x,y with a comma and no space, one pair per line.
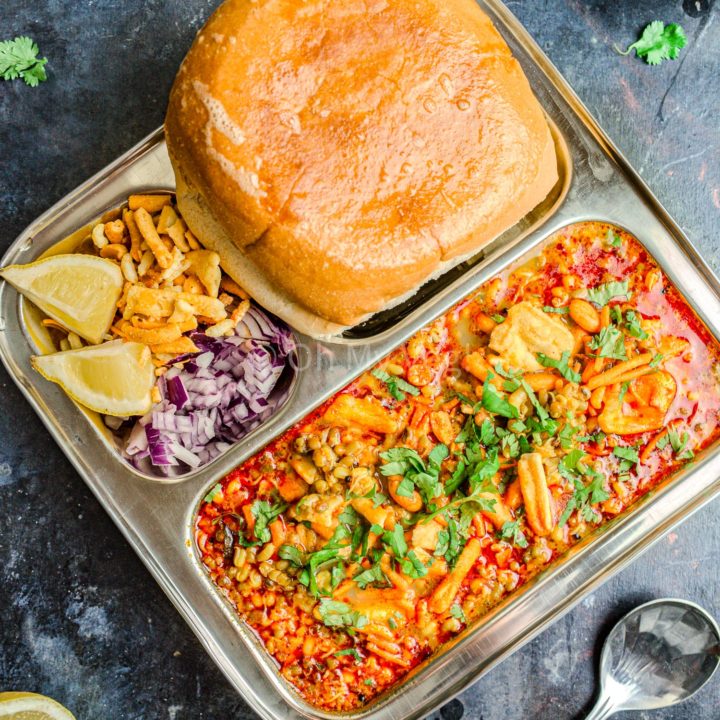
18,59
658,42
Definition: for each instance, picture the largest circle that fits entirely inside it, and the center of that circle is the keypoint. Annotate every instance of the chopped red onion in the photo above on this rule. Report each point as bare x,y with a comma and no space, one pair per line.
213,398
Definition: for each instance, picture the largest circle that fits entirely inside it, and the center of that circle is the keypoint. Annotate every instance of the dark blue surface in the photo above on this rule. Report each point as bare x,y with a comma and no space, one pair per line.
80,618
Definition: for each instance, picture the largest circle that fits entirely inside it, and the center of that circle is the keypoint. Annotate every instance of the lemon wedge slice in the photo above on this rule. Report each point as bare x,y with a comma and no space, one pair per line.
115,378
79,291
30,706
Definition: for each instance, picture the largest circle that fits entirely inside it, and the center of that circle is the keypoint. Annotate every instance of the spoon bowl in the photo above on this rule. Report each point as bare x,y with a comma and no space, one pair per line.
658,655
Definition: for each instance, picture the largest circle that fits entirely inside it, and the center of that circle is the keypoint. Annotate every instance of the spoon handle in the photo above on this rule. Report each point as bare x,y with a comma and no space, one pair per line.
604,708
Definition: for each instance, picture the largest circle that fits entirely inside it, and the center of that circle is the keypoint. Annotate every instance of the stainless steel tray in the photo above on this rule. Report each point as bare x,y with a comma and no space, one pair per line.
156,518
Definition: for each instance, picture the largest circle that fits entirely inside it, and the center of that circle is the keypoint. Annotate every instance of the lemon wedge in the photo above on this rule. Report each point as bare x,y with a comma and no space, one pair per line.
30,706
115,378
79,291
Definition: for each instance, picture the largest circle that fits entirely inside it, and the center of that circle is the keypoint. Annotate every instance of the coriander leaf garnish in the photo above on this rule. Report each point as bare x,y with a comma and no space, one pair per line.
610,343
264,513
291,554
602,294
613,239
560,365
628,456
623,392
658,42
339,614
494,402
18,59
457,612
498,318
215,490
416,473
349,651
374,574
412,566
511,531
657,359
396,386
572,468
559,310
633,326
678,443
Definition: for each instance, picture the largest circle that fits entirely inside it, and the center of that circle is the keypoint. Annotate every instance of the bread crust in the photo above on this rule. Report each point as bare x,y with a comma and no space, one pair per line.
348,151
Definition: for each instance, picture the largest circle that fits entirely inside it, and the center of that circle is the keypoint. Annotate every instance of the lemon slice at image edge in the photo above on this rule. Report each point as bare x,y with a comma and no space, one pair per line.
115,378
31,706
79,291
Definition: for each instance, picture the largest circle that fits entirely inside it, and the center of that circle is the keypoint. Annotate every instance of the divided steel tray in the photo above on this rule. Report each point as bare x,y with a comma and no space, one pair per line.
156,517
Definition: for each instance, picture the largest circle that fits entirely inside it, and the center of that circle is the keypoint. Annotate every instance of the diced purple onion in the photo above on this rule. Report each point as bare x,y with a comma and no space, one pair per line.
213,398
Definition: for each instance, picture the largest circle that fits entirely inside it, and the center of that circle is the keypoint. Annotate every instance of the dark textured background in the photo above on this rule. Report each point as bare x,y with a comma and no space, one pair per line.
80,618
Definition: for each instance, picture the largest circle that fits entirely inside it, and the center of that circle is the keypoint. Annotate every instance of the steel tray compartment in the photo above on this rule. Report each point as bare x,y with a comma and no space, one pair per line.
495,634
156,517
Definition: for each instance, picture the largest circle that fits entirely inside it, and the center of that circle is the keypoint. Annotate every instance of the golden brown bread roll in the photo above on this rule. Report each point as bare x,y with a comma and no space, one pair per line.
339,153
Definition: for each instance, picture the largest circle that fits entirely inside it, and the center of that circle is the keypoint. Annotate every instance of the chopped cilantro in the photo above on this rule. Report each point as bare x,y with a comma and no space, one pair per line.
623,392
264,513
679,444
415,472
613,239
610,343
559,310
498,318
339,614
412,566
602,294
396,386
395,540
657,359
561,365
494,402
628,457
566,434
291,554
457,612
349,651
374,574
511,531
510,446
633,326
215,490
584,496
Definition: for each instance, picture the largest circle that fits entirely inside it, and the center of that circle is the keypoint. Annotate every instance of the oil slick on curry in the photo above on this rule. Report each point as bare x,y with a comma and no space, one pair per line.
418,497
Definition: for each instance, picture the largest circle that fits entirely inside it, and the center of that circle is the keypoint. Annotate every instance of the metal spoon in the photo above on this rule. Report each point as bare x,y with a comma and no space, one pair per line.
659,654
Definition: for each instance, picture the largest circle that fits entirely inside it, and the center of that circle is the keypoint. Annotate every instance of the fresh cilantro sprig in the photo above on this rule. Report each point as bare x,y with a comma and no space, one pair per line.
415,471
603,294
609,343
613,239
339,614
494,402
396,386
678,443
511,531
572,468
18,59
561,365
215,490
264,513
658,42
628,457
631,322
